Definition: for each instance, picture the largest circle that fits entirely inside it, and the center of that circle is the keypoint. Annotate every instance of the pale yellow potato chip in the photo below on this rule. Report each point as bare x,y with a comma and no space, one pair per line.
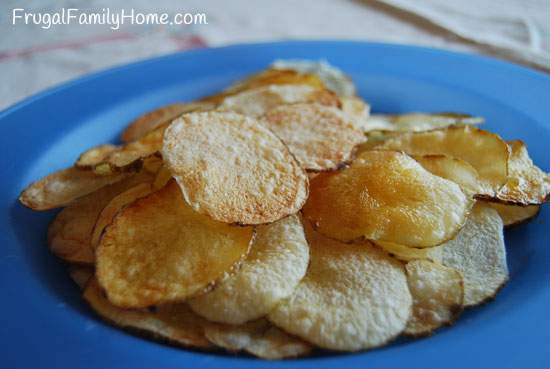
63,187
81,274
404,253
417,122
259,338
484,150
438,294
158,117
527,184
175,323
258,101
358,110
353,297
276,263
233,168
320,137
512,215
117,203
387,196
159,250
70,234
456,170
478,253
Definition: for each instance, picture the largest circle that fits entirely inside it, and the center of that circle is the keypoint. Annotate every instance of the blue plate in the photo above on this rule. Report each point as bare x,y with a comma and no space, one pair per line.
43,321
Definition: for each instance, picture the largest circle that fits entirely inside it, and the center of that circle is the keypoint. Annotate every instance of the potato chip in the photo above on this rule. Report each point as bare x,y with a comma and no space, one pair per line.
174,323
477,252
70,234
527,184
63,187
233,168
437,292
258,101
418,122
277,261
512,215
159,250
81,274
95,155
484,150
259,338
320,137
331,76
387,196
114,206
358,111
453,169
158,117
353,297
404,253
162,178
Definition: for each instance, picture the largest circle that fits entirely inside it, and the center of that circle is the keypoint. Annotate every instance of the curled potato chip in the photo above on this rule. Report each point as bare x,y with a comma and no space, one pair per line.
456,170
159,250
484,150
437,292
95,155
174,323
357,109
114,206
259,338
477,252
527,184
512,215
81,274
276,263
321,137
353,297
418,122
63,187
258,101
233,168
386,196
70,234
158,117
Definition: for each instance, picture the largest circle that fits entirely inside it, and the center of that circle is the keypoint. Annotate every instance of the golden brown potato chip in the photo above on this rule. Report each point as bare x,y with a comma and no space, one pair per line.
95,155
453,169
353,297
387,196
437,292
158,117
174,323
477,252
418,122
320,137
81,274
358,110
484,150
70,234
277,261
258,101
512,215
233,168
162,178
159,250
114,206
63,187
527,184
259,338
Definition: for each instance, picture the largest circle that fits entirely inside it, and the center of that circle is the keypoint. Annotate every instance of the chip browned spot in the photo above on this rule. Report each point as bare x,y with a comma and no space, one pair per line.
258,101
418,122
259,338
321,137
353,297
63,187
387,196
512,215
527,184
159,250
70,234
233,168
158,117
275,265
174,323
485,151
438,295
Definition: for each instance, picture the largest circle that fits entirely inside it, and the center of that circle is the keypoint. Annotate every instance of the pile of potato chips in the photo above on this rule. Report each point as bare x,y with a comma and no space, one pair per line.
279,218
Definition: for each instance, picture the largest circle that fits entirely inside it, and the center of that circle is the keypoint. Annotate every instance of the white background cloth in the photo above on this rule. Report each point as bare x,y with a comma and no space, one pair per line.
32,58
